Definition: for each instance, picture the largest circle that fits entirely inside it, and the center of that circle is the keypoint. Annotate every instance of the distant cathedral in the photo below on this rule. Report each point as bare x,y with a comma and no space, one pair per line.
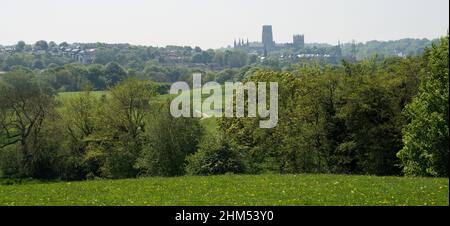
299,50
267,43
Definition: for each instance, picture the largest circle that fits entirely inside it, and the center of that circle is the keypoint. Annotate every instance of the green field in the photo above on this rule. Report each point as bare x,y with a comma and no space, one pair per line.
336,190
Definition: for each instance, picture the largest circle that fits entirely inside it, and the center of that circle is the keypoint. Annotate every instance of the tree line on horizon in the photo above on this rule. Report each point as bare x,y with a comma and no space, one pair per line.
175,63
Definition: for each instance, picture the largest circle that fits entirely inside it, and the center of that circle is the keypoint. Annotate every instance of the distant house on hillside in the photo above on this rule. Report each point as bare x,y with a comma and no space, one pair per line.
9,49
86,56
75,52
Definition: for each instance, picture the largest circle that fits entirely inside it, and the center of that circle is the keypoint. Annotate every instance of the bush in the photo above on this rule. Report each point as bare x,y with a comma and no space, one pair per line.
9,162
71,165
168,141
215,156
119,163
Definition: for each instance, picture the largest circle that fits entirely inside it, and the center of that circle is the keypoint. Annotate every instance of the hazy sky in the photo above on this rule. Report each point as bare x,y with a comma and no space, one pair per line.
216,23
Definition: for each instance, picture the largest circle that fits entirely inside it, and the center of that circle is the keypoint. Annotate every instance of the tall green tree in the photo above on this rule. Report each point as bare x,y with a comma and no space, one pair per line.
41,45
370,110
20,46
123,124
80,122
25,107
168,141
114,73
426,137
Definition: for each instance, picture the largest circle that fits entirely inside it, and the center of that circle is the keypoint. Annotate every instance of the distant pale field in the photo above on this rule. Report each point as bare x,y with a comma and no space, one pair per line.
272,190
208,123
67,95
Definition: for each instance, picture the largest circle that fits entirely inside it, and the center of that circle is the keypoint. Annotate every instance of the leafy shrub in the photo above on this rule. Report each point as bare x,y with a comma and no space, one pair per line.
168,141
9,162
215,156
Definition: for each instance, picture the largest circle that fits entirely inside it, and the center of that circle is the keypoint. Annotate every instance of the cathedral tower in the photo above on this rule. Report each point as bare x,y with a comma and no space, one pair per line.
267,37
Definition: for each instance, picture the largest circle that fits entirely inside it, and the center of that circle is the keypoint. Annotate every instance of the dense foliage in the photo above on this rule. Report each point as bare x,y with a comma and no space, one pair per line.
215,156
426,137
376,116
349,119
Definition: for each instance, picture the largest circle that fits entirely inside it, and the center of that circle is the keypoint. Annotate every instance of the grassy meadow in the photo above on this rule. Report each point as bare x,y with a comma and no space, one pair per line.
271,190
